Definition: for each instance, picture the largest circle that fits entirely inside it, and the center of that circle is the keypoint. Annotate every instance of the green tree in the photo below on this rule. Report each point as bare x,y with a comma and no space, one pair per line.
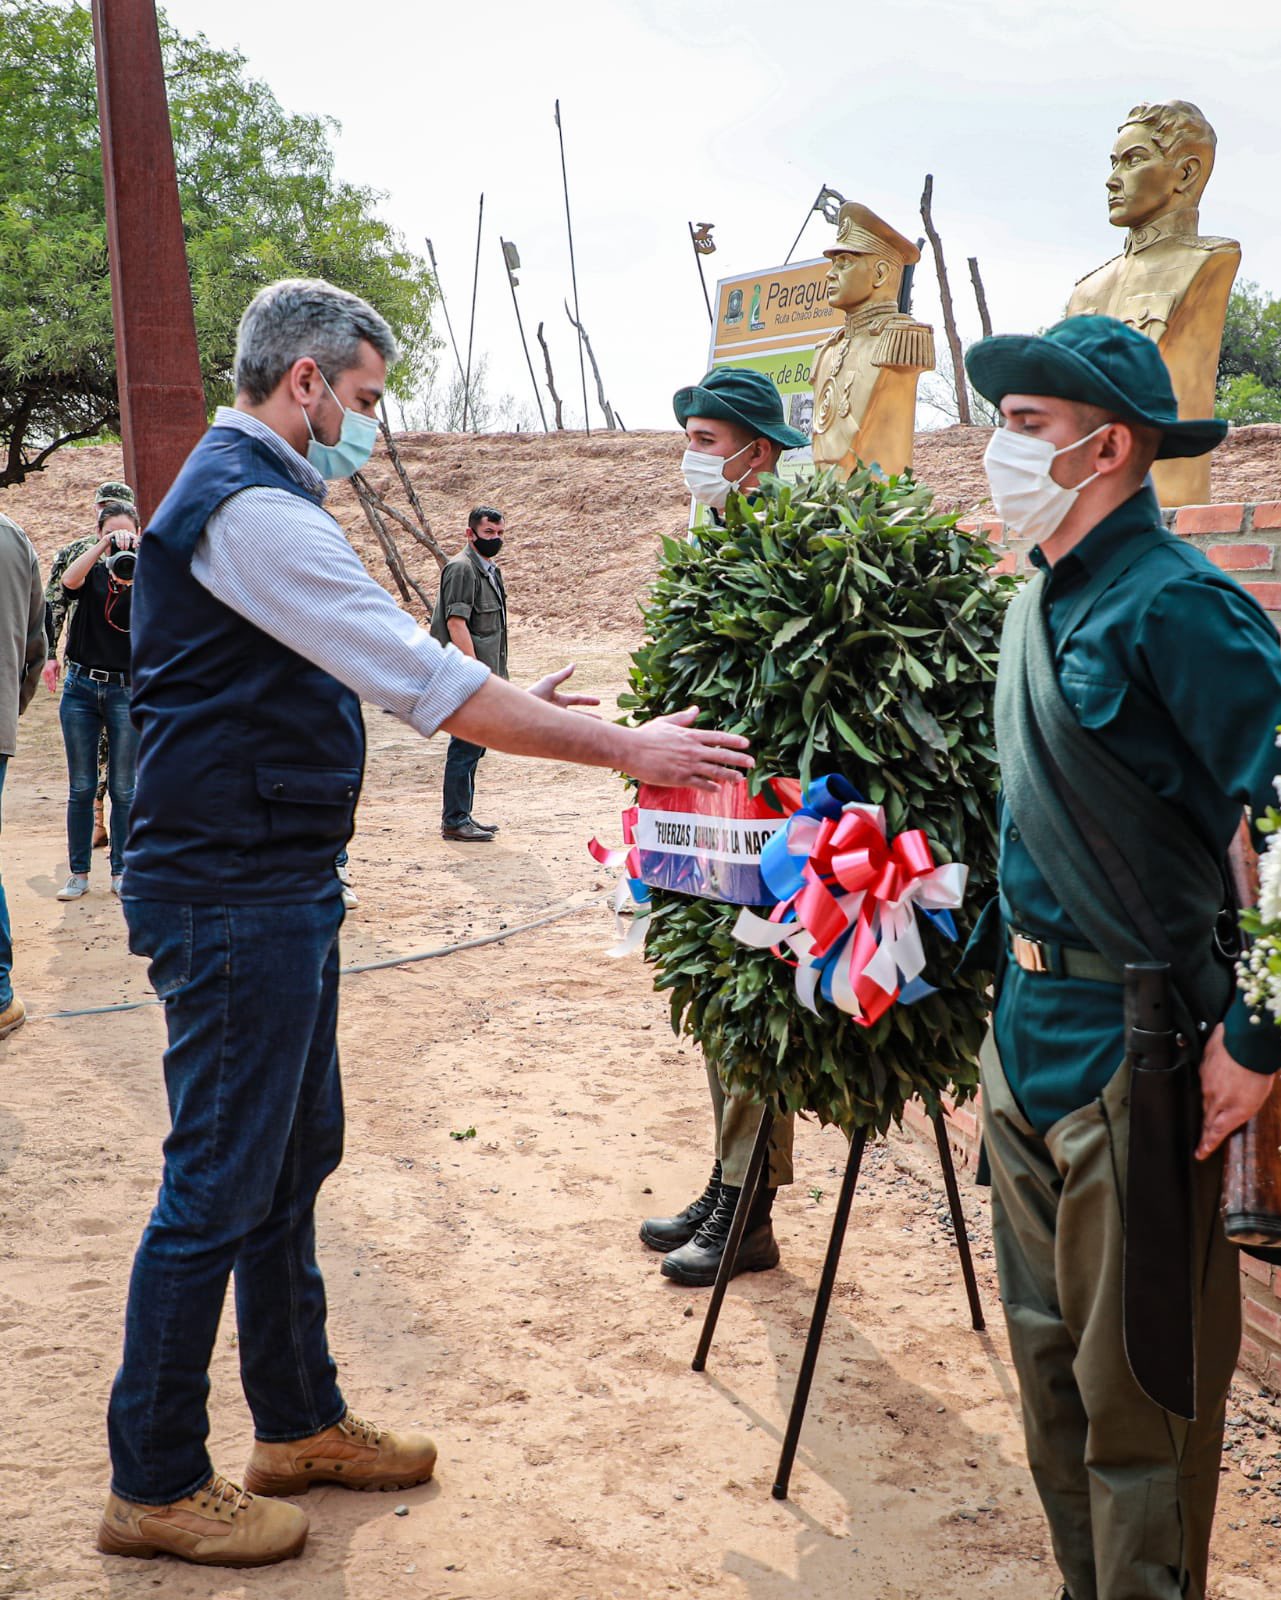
1249,387
259,200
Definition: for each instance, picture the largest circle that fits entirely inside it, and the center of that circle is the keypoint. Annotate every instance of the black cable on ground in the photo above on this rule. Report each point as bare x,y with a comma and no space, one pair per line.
360,966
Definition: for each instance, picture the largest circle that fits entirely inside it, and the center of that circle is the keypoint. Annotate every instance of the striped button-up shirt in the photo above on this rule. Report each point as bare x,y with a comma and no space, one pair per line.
282,563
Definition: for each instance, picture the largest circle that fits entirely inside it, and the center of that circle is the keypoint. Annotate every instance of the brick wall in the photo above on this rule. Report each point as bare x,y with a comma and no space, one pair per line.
1244,540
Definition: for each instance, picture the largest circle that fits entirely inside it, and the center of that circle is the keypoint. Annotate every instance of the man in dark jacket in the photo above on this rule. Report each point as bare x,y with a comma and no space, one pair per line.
471,613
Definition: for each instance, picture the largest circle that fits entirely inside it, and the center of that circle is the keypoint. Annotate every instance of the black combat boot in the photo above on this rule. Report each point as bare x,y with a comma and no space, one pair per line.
665,1233
697,1263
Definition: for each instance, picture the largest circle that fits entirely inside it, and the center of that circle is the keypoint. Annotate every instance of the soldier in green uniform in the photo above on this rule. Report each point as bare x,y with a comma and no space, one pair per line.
1138,698
735,430
59,605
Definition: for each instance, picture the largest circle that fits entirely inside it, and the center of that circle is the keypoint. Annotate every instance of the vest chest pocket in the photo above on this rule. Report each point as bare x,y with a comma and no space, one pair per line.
308,802
1095,702
486,615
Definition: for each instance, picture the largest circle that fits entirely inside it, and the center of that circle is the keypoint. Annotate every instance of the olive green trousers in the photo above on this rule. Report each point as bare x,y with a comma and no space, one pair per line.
1128,1489
736,1120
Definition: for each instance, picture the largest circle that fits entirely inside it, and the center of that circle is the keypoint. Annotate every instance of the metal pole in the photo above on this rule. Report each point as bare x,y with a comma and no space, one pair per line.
746,1198
511,279
958,1222
822,1300
162,397
818,198
440,288
701,278
573,270
471,332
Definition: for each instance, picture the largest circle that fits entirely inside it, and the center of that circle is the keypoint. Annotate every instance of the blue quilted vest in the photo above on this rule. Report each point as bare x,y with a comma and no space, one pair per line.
250,758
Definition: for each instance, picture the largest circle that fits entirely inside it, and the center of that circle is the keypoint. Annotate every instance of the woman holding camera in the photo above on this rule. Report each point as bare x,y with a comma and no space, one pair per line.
95,691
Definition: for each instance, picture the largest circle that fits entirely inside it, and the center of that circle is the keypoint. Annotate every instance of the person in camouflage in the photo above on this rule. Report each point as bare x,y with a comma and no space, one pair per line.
59,606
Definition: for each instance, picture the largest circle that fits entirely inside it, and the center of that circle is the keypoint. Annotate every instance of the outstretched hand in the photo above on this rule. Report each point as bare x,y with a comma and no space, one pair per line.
671,753
1230,1094
548,689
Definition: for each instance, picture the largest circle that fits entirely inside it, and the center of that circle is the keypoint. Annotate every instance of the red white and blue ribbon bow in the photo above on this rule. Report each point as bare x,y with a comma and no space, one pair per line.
631,892
847,901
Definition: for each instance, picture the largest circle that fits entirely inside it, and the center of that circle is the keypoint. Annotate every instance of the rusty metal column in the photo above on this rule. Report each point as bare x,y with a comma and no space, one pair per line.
162,399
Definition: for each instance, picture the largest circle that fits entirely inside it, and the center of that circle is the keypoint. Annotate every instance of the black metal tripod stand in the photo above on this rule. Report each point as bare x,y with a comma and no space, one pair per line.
805,1377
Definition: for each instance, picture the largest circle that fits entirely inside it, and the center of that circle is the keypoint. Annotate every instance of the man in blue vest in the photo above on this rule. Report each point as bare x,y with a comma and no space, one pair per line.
1137,704
256,633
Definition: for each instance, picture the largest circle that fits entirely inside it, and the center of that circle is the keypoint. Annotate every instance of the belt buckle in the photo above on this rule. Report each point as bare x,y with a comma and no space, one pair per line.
1028,953
99,675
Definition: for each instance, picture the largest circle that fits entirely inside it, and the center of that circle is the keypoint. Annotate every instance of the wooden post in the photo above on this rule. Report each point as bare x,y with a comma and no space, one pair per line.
985,319
945,295
162,397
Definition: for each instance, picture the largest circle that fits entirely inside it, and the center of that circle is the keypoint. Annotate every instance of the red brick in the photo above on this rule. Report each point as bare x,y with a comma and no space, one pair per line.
1260,1271
1262,1321
1209,519
1239,557
993,532
1267,594
1009,562
1268,515
1253,1357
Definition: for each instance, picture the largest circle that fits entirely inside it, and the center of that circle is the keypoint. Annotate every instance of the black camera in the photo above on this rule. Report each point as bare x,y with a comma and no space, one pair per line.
122,564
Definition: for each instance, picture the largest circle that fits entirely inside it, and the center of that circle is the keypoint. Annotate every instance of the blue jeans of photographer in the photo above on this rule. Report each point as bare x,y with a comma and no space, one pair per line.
251,1072
86,708
459,789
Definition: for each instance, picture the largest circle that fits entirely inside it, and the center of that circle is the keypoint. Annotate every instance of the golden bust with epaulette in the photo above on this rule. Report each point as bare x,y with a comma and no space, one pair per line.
1170,282
865,375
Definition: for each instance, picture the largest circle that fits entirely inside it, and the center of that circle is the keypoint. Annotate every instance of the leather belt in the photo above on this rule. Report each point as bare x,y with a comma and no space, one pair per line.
99,674
1061,960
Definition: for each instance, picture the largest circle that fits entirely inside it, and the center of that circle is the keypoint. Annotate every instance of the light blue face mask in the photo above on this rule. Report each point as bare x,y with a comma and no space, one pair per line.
355,442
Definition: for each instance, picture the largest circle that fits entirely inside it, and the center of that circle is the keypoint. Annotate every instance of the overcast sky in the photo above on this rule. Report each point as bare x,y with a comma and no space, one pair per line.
735,114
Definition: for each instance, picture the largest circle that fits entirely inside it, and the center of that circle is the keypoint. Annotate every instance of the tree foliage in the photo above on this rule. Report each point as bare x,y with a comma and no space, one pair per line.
259,198
1249,388
844,627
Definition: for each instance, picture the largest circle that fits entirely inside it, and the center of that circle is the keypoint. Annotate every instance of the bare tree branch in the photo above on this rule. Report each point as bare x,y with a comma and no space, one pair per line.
551,382
945,295
408,588
591,356
984,318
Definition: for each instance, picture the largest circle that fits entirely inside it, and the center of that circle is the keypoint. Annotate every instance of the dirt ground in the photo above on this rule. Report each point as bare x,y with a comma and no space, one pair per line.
492,1287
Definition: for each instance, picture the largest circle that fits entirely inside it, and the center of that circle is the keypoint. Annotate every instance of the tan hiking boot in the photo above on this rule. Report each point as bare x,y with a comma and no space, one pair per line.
352,1452
218,1526
12,1017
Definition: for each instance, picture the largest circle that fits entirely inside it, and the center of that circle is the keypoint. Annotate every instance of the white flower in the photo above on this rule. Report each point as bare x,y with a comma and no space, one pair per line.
1270,881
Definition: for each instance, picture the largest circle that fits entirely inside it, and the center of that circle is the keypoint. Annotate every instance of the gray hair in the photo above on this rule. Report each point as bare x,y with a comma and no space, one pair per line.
300,317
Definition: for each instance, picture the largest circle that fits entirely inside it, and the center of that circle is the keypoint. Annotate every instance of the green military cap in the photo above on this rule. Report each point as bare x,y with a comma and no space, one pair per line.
1099,362
737,394
114,491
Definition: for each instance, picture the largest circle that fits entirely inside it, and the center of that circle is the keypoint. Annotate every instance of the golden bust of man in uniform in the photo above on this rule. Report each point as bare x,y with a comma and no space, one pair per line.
1170,282
865,375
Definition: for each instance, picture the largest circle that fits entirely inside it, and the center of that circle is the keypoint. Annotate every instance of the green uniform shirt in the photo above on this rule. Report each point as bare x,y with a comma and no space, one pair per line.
472,590
1178,672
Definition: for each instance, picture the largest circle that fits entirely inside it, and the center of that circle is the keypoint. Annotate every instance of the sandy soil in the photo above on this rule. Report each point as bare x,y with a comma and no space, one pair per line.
492,1288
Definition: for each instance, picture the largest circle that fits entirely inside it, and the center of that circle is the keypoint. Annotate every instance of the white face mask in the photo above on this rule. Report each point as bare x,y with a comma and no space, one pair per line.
705,478
1026,497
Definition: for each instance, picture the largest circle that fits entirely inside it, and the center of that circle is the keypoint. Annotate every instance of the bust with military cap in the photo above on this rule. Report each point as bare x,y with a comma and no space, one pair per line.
865,376
1170,282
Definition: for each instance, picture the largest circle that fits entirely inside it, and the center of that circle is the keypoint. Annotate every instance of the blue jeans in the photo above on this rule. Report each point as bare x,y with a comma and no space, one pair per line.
460,782
6,938
85,710
251,1072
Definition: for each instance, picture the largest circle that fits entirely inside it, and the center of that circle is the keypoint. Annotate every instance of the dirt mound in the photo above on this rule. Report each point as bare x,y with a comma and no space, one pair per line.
584,512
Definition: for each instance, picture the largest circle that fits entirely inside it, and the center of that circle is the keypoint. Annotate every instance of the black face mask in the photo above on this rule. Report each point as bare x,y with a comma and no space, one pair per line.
488,548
